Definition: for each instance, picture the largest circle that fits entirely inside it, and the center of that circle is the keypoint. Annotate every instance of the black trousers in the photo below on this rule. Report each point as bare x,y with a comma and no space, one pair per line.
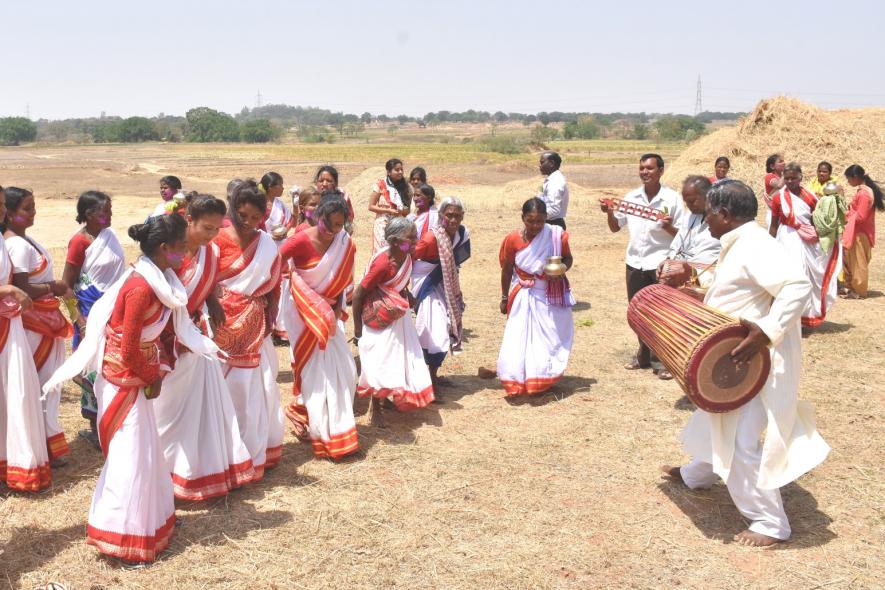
560,222
636,281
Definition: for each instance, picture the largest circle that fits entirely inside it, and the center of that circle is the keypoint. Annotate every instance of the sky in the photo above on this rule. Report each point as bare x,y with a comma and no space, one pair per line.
79,59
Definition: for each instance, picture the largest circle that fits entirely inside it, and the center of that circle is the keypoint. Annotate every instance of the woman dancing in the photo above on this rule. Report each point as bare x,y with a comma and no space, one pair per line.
94,262
24,457
46,327
390,354
540,329
196,419
437,288
323,371
132,515
249,275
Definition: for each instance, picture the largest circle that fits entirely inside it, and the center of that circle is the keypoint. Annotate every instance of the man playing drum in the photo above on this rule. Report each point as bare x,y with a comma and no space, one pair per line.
752,269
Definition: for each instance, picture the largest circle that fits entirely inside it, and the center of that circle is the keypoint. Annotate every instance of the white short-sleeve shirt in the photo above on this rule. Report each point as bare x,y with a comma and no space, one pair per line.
649,243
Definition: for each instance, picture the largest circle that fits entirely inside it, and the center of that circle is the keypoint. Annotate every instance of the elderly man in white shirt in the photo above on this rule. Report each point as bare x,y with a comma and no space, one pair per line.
758,282
693,243
649,240
554,191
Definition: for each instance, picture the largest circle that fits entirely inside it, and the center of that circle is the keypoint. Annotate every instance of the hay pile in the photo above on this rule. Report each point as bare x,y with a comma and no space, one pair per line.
799,131
361,186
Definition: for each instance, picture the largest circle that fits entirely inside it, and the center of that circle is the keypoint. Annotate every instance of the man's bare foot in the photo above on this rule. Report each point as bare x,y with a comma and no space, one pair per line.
750,539
672,472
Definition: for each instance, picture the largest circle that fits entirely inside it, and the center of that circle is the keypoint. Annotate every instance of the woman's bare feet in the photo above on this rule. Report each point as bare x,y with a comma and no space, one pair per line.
377,419
750,539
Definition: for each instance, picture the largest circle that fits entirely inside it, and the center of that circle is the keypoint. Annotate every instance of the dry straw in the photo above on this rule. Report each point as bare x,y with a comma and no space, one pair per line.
798,131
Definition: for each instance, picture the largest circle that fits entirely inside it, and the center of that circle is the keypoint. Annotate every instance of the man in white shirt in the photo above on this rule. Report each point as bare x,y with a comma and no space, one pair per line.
649,240
554,191
758,282
693,242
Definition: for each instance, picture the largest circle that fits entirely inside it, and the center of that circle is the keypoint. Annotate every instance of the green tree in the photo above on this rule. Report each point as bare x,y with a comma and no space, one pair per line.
583,128
259,131
135,130
366,117
208,125
678,127
541,134
16,130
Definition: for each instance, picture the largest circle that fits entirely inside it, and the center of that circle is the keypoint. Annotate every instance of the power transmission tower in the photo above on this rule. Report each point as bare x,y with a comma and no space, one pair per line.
698,104
27,110
258,100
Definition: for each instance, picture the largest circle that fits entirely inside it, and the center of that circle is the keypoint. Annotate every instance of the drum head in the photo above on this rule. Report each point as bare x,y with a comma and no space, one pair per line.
713,380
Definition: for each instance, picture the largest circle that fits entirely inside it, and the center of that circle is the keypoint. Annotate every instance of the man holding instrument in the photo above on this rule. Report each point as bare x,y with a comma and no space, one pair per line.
757,281
649,239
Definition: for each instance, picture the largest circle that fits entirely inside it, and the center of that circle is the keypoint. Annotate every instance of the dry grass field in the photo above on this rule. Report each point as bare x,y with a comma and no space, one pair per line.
562,491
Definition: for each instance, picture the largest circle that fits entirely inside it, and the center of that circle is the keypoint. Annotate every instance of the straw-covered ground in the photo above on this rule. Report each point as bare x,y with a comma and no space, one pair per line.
561,491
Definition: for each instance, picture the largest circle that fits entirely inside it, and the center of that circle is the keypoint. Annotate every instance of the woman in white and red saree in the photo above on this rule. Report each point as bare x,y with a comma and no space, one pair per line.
791,224
390,354
436,286
249,276
540,329
133,510
326,181
46,326
391,198
426,215
24,458
321,260
196,419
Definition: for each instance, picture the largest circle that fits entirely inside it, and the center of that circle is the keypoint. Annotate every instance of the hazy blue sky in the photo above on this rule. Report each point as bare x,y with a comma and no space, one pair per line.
74,59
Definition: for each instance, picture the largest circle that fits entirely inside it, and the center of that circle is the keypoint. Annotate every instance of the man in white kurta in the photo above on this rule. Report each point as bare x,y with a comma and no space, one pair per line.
758,282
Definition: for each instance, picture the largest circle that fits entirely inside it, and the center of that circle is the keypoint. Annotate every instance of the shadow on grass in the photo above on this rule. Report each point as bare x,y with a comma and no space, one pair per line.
564,388
715,515
30,547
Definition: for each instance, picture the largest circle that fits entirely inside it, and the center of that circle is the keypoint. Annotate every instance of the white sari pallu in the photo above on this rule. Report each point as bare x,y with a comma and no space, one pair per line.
196,419
322,366
133,509
821,268
538,336
24,457
46,330
280,216
391,358
251,366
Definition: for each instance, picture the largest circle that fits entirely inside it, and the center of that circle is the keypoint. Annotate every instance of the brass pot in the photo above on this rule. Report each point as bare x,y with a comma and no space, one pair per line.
554,267
278,232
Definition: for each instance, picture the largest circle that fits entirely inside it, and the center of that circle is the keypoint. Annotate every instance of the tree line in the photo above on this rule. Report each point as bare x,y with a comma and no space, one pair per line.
268,123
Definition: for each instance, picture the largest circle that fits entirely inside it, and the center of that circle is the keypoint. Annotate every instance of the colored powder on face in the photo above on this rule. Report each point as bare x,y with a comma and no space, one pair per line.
168,194
322,227
405,246
308,213
19,219
444,221
173,259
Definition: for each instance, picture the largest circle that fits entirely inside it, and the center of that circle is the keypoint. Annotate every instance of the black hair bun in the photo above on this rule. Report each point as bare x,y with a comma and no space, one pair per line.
139,231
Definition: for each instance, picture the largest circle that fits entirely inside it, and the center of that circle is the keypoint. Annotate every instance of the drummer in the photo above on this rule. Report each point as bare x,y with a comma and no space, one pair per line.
649,240
693,243
753,268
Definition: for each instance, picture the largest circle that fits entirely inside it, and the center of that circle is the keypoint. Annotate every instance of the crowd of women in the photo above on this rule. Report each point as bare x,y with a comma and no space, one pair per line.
174,353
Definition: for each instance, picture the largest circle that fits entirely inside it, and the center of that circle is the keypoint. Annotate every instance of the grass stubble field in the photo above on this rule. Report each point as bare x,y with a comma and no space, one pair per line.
562,491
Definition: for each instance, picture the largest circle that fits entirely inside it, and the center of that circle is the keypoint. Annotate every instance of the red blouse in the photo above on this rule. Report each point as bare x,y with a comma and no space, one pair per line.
381,270
427,248
300,249
136,306
77,249
861,218
513,243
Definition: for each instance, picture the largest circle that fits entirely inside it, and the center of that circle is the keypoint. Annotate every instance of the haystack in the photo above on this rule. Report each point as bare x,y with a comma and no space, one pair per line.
799,131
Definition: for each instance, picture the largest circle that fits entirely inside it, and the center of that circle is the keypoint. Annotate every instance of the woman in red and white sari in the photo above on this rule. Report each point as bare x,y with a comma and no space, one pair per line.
540,329
133,510
323,371
426,215
326,181
391,198
24,457
249,276
391,359
791,223
46,326
198,427
278,223
436,287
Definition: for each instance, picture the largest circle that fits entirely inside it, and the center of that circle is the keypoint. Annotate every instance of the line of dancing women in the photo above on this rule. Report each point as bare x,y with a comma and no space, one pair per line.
174,354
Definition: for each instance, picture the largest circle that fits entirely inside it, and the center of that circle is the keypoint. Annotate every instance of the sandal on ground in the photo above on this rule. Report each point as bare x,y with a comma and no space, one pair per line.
665,375
91,437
